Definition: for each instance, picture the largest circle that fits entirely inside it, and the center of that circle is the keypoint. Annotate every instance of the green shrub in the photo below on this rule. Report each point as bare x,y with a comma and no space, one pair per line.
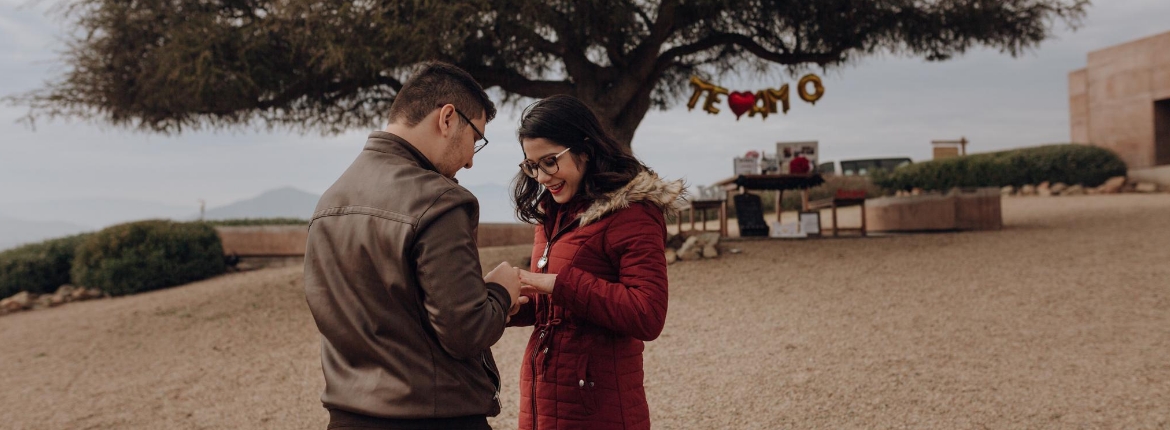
239,222
38,268
148,255
1071,164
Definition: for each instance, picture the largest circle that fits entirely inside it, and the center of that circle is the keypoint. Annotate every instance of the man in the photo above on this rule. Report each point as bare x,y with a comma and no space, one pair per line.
392,273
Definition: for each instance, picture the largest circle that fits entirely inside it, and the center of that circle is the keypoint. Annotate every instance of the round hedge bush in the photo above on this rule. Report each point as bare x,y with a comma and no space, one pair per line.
38,268
1071,164
148,255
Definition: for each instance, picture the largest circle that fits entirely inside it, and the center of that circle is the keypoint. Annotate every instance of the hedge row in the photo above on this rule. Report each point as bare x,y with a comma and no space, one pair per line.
121,259
1071,164
38,268
148,255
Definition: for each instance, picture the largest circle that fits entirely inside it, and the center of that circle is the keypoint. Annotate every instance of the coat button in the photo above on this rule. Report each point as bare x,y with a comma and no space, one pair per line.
581,383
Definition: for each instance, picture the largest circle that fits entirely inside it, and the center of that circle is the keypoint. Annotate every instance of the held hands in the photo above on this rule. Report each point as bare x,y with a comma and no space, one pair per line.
536,283
509,277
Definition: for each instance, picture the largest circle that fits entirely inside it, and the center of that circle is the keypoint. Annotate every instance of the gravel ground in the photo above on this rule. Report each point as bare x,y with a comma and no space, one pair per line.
1061,320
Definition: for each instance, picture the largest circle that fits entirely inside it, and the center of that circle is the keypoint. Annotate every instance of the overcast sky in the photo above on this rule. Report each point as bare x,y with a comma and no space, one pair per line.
883,106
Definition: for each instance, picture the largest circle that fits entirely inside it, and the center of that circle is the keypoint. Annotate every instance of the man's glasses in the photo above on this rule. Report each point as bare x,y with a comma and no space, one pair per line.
547,164
473,127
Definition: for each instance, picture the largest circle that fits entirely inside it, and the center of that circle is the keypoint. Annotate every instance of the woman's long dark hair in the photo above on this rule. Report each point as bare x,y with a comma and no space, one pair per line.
568,122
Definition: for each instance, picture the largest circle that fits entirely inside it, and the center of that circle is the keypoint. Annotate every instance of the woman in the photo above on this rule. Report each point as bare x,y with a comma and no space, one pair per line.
597,280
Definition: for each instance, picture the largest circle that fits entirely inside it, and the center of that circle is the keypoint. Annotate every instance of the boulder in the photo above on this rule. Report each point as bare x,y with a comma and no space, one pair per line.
1028,190
94,293
19,301
709,251
1146,187
671,256
1112,186
1075,190
690,249
1058,188
1044,189
1007,191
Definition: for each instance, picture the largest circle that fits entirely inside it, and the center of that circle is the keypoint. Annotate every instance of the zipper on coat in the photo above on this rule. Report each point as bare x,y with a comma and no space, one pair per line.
495,379
542,265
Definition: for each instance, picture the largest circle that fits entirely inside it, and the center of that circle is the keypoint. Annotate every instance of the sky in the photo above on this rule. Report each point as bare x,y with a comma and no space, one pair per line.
879,106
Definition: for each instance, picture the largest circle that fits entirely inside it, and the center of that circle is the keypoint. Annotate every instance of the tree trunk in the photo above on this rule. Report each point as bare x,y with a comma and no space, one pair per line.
622,117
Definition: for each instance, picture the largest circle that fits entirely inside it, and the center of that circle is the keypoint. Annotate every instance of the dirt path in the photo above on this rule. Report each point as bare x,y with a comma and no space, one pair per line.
1062,320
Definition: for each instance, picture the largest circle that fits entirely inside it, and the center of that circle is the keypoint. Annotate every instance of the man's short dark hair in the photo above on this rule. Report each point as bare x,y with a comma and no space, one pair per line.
437,84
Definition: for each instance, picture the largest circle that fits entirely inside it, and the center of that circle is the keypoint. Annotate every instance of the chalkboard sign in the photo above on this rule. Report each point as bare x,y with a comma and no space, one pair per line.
749,214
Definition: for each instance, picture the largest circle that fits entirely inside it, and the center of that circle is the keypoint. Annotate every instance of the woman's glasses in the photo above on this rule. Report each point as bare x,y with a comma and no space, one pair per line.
547,164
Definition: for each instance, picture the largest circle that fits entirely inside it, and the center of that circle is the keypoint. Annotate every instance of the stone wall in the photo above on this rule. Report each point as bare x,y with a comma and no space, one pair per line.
976,210
1112,100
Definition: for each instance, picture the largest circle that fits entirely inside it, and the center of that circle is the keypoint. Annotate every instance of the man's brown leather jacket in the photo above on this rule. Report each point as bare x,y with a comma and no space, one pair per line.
393,279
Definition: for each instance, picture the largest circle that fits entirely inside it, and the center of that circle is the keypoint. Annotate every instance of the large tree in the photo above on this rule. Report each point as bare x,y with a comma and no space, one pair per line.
329,66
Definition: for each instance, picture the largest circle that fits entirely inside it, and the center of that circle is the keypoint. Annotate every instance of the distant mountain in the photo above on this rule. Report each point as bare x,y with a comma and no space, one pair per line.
15,232
284,202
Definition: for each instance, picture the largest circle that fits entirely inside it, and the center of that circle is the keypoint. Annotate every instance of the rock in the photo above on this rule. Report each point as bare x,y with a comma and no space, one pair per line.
1028,190
19,301
94,293
1058,188
1075,190
1044,189
709,251
690,250
1146,187
10,305
1007,191
708,239
1112,186
64,293
671,256
78,294
56,300
44,301
916,191
676,241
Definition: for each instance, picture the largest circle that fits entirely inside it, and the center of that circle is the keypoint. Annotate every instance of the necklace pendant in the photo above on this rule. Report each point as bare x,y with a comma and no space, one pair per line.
543,261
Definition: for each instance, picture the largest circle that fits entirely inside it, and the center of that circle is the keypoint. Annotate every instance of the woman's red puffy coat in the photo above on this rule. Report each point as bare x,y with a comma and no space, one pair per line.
583,364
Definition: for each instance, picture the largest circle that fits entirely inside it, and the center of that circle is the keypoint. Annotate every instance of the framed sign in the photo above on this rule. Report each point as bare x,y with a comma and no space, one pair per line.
810,223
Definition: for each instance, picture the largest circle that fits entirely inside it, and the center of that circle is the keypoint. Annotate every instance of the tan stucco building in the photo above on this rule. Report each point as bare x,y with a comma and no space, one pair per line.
1121,101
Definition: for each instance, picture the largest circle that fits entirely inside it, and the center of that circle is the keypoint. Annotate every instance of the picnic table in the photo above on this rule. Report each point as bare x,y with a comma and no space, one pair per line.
744,183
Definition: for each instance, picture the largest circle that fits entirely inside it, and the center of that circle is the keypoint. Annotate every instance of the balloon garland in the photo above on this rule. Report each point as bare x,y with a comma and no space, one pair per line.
762,102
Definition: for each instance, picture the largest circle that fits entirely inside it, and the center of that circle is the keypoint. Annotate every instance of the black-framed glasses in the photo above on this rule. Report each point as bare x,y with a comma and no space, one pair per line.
547,164
473,127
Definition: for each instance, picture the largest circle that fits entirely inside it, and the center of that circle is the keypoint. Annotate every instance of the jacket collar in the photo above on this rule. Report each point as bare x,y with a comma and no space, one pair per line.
394,144
646,187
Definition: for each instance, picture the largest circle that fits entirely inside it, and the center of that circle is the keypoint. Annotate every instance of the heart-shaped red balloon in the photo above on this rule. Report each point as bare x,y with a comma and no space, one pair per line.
741,102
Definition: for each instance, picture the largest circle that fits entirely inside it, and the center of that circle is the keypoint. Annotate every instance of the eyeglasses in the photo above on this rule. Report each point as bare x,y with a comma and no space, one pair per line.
547,164
473,127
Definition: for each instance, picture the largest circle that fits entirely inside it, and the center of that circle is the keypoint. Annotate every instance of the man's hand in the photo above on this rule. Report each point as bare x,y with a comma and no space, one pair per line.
537,283
509,277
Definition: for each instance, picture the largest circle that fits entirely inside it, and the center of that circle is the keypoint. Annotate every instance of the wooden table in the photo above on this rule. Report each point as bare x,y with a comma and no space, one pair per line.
802,182
702,206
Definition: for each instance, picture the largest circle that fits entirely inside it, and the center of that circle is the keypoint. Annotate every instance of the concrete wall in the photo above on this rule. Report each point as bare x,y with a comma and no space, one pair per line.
1111,101
287,241
978,210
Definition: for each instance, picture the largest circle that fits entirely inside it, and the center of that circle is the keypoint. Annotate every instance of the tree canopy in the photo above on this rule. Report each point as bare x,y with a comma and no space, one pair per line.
330,66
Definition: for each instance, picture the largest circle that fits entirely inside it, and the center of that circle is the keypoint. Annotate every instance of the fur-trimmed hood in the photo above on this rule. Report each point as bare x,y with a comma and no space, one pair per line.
648,187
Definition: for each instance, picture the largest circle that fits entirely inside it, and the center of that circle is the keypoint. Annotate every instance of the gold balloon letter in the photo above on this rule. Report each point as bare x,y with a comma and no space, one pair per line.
712,91
802,87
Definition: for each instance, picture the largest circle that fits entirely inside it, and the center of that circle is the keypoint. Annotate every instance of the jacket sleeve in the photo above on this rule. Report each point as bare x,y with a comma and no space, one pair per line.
466,313
636,304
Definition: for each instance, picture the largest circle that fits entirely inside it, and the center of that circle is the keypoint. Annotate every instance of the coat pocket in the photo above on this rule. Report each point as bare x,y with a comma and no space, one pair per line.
586,387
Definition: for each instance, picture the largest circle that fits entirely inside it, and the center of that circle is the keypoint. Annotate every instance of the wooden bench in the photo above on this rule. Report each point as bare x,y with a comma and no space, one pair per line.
841,199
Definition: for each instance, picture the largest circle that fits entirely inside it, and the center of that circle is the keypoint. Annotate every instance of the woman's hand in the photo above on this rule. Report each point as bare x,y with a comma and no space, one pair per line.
537,283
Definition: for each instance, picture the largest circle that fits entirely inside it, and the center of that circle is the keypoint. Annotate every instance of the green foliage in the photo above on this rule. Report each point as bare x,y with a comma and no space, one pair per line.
332,66
38,268
1071,164
243,222
148,255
